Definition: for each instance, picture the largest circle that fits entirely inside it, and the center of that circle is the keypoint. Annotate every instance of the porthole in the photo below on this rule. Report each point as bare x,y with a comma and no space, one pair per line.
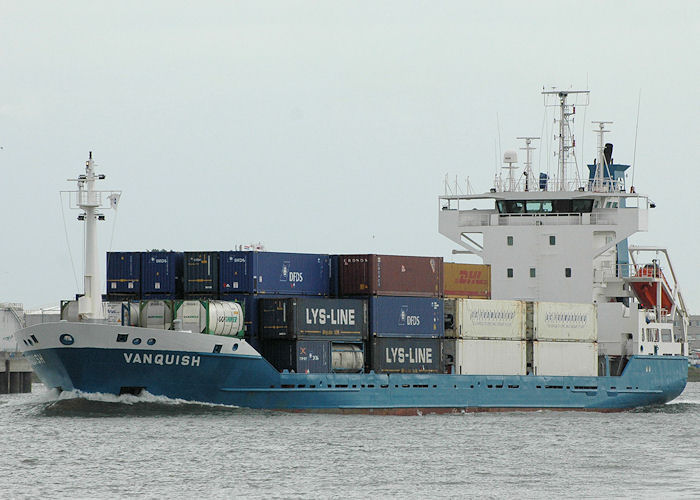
66,339
151,341
235,347
136,341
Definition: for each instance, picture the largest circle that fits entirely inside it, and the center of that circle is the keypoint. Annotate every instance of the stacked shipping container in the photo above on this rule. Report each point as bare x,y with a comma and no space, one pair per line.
499,337
123,276
313,334
406,317
467,280
249,277
273,273
161,275
565,339
489,337
394,302
200,275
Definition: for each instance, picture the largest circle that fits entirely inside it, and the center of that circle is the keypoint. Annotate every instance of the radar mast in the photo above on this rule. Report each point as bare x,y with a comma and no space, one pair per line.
528,159
566,152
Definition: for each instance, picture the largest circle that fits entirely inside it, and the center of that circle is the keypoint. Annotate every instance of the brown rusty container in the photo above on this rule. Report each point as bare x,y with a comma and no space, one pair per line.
398,275
467,280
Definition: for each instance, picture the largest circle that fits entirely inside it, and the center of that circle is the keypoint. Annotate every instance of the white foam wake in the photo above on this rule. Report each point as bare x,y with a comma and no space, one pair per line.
52,396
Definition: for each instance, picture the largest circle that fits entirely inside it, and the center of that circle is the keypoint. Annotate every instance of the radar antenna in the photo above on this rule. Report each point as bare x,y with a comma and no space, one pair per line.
510,157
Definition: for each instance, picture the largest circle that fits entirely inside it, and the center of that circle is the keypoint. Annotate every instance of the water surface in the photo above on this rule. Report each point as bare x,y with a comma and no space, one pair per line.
105,447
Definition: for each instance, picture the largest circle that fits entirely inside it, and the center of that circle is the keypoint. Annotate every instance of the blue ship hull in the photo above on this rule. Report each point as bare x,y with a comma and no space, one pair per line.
109,359
253,383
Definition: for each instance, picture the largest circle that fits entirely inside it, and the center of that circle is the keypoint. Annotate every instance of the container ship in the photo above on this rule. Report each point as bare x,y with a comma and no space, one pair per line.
563,313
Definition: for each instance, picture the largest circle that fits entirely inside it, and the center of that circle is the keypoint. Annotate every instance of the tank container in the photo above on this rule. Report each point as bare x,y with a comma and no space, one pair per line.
565,322
156,314
161,275
490,357
200,274
225,318
406,316
124,273
69,311
490,319
467,280
398,275
309,317
192,314
347,358
565,358
130,313
406,355
273,273
211,316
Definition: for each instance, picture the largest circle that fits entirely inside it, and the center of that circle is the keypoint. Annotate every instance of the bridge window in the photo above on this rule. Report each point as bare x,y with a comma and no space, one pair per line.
582,206
544,206
552,240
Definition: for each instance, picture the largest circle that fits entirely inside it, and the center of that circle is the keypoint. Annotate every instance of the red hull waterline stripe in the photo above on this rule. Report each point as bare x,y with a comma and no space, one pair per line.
412,412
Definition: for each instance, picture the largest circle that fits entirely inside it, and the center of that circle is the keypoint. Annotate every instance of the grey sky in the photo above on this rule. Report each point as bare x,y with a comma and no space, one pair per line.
321,126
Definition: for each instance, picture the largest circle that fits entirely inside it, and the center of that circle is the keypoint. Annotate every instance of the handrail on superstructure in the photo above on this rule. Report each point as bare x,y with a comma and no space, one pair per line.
634,250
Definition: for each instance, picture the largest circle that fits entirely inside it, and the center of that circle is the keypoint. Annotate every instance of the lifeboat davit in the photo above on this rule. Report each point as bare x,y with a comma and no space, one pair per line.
646,290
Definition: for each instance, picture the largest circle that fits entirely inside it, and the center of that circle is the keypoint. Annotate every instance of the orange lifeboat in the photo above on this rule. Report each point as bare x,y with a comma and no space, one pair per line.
646,290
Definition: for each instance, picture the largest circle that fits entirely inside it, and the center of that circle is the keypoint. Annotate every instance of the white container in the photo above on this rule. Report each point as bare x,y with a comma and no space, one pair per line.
565,322
490,357
225,318
193,315
156,314
565,358
490,319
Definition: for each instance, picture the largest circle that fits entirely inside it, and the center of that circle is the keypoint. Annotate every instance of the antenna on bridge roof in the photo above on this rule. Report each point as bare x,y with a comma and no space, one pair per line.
567,142
528,159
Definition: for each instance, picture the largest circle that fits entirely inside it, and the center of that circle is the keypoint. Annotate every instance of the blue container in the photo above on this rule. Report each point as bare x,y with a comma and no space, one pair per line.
273,273
300,356
406,317
251,315
200,276
313,318
124,273
406,355
334,273
161,275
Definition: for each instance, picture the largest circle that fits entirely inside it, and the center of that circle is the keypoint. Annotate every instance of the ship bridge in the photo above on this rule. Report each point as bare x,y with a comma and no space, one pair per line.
565,239
545,245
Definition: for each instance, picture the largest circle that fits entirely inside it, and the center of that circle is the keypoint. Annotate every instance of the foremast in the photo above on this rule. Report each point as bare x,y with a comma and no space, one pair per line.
90,201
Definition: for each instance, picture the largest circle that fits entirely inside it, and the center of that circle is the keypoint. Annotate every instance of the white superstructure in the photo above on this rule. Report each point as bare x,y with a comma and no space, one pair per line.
565,239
